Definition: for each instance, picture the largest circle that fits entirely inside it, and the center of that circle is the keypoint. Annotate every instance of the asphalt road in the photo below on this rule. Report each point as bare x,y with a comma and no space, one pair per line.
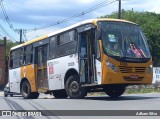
46,102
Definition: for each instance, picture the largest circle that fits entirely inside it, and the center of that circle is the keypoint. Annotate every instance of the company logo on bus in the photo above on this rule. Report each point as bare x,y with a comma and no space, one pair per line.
51,71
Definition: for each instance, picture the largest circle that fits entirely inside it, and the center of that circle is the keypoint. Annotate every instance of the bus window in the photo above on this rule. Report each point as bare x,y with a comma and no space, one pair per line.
28,54
52,47
66,37
16,57
66,44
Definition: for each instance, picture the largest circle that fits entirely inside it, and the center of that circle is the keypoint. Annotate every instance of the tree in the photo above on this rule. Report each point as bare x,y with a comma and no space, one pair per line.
150,24
9,45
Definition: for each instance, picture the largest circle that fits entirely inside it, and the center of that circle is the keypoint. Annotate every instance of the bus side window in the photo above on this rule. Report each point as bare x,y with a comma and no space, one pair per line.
28,55
66,37
83,45
66,44
11,60
52,47
15,58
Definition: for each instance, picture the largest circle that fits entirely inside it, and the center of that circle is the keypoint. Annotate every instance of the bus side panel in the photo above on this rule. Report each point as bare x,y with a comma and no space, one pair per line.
99,71
14,79
57,69
29,72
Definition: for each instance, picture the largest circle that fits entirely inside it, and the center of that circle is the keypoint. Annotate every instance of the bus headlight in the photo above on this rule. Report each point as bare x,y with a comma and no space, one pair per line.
112,66
149,69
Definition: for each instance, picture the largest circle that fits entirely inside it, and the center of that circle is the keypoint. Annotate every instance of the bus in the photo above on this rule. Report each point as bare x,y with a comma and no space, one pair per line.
91,56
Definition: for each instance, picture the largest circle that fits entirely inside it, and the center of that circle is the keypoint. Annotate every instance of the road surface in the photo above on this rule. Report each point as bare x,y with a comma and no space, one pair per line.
46,102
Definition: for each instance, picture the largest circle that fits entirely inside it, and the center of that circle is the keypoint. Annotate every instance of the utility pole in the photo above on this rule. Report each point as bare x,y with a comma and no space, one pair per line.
119,10
20,36
6,60
5,44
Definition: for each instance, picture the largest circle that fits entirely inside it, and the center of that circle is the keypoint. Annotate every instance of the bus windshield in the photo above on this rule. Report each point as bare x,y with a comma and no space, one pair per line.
124,40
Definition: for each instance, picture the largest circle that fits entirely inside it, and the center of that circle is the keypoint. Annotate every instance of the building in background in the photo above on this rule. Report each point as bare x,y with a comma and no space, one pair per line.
3,64
156,74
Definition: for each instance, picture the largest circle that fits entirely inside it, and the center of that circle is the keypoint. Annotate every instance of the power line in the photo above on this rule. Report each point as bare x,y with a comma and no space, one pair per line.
1,35
98,6
7,33
8,20
24,34
13,4
6,17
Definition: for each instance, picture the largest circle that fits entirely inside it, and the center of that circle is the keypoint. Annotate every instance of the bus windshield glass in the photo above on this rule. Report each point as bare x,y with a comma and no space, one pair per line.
124,40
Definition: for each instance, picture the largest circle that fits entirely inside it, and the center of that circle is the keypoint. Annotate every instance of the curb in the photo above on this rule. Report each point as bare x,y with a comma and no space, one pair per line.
1,93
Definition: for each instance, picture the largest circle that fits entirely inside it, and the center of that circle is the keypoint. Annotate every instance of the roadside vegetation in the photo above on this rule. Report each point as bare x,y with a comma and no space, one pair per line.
143,89
135,89
10,44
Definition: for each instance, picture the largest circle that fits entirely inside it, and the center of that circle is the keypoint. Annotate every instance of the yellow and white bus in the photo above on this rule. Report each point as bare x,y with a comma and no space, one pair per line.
93,55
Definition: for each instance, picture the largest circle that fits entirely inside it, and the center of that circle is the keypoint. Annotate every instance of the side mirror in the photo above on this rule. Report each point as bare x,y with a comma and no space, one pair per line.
99,33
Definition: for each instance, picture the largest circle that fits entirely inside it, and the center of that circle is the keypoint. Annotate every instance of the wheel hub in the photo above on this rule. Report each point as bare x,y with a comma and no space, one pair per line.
74,87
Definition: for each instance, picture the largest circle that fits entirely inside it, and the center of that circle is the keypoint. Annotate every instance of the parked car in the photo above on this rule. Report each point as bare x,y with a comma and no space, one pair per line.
7,91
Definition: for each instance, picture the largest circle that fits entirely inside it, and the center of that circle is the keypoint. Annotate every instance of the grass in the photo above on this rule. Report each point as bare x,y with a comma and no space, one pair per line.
142,90
133,90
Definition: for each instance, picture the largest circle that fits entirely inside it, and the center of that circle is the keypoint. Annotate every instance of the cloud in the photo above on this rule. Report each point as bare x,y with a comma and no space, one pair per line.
34,13
40,11
141,5
39,33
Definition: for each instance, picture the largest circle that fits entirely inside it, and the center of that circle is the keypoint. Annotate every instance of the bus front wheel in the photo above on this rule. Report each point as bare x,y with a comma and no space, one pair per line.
26,91
73,88
114,91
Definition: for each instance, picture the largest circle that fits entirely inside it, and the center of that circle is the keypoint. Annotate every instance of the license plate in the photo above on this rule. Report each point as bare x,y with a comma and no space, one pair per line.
134,77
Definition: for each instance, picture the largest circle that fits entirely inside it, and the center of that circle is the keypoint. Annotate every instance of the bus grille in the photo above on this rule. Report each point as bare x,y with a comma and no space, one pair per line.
129,69
127,78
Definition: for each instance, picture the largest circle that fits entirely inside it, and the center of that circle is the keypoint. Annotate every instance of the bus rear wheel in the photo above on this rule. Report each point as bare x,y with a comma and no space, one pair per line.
59,94
26,91
34,95
5,95
73,88
114,91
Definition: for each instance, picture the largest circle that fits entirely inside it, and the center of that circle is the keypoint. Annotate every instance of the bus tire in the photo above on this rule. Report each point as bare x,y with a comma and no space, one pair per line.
59,94
26,91
35,95
74,89
114,91
5,95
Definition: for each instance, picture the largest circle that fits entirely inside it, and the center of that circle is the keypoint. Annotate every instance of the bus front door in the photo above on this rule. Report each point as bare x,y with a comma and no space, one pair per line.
87,68
42,79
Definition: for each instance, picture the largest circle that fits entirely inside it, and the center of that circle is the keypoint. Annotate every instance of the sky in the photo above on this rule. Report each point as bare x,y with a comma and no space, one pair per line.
31,14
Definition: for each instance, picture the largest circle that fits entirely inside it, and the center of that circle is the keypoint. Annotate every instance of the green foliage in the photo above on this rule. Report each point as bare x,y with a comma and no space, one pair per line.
9,45
150,24
142,89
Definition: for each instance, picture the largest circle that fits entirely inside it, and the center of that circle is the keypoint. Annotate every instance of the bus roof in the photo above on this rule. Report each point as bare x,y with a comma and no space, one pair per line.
70,27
